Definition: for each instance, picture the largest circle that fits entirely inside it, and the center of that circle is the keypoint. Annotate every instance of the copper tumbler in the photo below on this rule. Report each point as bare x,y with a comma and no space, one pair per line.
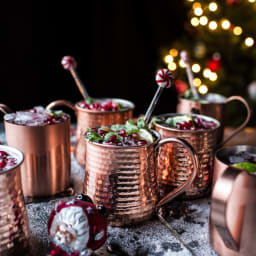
91,118
175,163
233,209
14,230
123,179
214,109
46,168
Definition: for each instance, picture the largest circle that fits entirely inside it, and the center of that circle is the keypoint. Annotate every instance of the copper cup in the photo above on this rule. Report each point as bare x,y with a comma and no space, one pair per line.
233,209
46,169
214,109
175,164
14,230
91,118
123,179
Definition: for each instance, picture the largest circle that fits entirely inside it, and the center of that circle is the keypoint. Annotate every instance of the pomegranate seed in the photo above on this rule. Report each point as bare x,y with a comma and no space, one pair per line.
3,154
94,129
115,106
134,135
84,105
123,133
112,138
102,132
141,142
95,106
2,163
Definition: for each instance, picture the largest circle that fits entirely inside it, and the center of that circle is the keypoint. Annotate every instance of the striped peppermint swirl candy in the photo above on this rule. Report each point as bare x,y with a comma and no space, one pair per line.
164,78
68,62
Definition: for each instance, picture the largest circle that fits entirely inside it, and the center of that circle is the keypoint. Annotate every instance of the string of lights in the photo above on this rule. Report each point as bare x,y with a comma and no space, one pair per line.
204,15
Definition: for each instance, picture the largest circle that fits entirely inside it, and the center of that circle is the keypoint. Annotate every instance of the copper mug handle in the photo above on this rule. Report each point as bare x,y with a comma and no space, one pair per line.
5,109
241,127
191,178
220,201
58,103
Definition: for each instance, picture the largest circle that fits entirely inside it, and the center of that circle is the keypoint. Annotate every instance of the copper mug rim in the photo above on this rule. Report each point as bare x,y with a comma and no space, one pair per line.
75,106
187,131
17,153
221,198
158,138
224,99
158,143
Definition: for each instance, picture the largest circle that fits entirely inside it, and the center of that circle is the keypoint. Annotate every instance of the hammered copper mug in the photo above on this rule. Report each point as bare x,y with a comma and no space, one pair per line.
123,179
214,106
47,165
91,118
14,230
175,164
233,209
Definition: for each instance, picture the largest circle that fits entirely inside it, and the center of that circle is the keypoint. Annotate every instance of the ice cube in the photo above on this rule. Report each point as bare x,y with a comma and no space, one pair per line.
23,117
235,159
9,117
39,108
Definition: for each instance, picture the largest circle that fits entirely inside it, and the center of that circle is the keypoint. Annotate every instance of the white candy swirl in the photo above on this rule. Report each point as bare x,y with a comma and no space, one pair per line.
164,78
68,62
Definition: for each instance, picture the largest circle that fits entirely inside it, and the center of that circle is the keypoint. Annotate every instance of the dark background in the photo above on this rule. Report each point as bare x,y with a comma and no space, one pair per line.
116,44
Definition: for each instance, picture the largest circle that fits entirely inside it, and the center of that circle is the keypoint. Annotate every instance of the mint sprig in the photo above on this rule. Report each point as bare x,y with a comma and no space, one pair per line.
91,135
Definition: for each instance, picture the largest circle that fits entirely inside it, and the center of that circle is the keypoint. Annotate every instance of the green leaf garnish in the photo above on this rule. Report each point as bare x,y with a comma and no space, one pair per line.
92,135
90,100
153,120
141,123
117,127
250,167
173,121
109,134
131,127
56,114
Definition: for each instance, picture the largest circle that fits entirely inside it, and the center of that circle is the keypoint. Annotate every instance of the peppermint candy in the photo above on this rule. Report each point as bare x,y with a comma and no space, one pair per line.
68,63
164,78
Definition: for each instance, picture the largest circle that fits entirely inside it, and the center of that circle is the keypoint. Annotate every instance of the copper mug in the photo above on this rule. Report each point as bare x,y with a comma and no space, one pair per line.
123,179
214,109
47,164
233,209
91,118
175,164
14,231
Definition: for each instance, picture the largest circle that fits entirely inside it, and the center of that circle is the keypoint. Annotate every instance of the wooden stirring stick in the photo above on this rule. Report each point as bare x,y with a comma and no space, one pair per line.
185,57
69,63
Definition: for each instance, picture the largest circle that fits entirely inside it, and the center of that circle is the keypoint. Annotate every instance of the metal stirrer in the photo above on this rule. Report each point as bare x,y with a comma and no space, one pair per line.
164,79
185,57
69,63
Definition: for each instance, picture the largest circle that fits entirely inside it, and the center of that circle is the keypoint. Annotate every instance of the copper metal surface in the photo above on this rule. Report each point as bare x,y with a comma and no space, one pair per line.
46,169
90,118
175,164
233,218
215,110
123,179
14,231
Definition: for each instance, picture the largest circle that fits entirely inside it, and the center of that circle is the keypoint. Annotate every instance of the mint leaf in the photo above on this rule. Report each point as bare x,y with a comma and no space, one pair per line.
187,94
153,120
250,167
117,127
92,135
90,100
141,123
170,121
109,134
131,127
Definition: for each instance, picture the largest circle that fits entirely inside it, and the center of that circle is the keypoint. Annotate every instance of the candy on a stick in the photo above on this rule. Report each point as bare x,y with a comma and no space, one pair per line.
164,79
69,63
185,57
